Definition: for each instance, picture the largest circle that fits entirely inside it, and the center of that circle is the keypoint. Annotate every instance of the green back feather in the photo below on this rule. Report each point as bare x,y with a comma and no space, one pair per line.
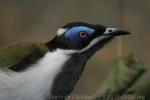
13,54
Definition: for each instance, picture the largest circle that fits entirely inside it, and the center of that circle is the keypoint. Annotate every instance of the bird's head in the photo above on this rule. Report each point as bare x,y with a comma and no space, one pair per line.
79,37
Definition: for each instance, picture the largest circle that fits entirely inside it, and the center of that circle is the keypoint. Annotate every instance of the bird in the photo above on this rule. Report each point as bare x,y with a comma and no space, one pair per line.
50,70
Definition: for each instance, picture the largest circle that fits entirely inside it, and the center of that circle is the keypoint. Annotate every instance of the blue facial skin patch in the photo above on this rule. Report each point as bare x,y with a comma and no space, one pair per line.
73,33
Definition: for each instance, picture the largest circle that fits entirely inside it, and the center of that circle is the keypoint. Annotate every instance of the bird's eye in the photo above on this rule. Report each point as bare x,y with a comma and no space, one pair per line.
83,34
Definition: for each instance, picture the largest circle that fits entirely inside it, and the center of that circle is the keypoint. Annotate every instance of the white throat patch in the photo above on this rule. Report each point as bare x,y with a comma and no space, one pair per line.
35,82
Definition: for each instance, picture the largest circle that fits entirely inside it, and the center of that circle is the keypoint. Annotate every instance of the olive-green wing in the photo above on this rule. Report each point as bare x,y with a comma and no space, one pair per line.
18,55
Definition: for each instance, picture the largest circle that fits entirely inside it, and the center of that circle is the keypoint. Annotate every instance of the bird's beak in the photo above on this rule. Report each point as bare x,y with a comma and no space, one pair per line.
115,32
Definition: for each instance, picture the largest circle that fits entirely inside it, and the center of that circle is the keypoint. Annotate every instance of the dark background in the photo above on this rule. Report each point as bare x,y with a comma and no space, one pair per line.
38,20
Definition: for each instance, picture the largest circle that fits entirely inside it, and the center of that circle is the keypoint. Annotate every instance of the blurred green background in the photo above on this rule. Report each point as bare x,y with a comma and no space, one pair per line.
38,20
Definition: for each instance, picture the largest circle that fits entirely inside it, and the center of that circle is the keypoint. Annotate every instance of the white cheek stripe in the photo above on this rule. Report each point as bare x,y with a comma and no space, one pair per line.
61,31
93,42
98,39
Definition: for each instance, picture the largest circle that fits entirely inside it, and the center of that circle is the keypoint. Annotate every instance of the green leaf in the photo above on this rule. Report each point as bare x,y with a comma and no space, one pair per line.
124,72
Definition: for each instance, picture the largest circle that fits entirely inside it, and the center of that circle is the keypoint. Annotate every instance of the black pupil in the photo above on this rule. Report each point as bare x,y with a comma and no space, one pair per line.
82,34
